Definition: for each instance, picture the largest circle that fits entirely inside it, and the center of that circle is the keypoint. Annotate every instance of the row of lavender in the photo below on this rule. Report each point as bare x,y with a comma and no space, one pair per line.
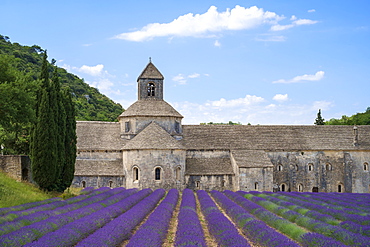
312,216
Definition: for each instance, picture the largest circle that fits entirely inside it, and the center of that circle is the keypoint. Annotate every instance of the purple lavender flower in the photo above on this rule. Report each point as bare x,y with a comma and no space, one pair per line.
219,226
154,230
189,230
120,228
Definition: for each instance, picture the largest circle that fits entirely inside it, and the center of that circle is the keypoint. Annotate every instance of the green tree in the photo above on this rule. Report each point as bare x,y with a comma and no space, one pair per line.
70,140
319,120
43,156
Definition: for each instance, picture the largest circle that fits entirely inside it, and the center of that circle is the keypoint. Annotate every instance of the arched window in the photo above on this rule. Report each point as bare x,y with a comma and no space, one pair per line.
328,166
197,184
366,166
300,187
151,89
256,185
110,183
135,173
283,187
279,168
157,172
310,167
340,188
178,173
83,184
223,182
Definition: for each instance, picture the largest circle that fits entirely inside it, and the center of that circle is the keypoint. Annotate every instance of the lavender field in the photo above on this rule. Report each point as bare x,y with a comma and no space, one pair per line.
131,217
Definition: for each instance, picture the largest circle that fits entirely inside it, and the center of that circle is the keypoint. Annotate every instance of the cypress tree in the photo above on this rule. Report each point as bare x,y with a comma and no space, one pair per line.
43,148
59,115
70,140
319,120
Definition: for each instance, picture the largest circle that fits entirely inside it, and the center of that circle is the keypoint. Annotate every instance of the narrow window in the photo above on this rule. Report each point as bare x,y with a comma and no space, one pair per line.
157,173
197,184
178,173
366,166
310,167
177,127
280,168
300,187
151,89
256,185
127,126
110,184
83,184
296,167
339,188
135,173
223,182
328,167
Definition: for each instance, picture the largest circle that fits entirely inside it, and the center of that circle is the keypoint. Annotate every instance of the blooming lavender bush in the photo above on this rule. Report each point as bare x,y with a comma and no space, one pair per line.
39,215
4,211
219,226
120,228
75,231
34,231
154,230
189,230
256,230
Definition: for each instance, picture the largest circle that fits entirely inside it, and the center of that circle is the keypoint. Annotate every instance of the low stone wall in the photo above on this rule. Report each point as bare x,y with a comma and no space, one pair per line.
17,166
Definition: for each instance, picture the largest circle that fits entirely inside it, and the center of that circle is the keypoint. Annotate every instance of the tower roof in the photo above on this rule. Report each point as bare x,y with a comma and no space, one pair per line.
150,108
153,137
150,72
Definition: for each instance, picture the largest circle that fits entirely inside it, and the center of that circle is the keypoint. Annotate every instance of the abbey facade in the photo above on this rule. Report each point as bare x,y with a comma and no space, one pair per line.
149,147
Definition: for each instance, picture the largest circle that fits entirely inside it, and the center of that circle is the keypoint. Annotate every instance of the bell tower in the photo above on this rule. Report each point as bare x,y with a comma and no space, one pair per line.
150,83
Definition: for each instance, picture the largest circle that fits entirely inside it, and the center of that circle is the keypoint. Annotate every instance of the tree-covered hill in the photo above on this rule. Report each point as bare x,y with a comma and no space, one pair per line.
20,69
90,103
362,118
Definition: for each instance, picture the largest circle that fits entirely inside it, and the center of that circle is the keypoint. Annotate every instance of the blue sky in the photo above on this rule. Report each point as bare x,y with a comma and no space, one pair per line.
258,62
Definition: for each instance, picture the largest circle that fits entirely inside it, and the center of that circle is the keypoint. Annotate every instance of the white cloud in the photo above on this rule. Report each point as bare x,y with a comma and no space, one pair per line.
251,109
272,38
247,100
295,22
195,75
103,84
280,97
180,78
200,25
316,77
311,11
217,43
92,70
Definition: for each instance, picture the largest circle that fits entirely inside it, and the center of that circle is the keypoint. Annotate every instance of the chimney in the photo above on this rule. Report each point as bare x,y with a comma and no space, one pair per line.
355,136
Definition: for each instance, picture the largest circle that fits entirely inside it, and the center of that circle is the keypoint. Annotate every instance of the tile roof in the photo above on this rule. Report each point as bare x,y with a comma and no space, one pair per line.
151,108
208,166
153,137
251,158
150,72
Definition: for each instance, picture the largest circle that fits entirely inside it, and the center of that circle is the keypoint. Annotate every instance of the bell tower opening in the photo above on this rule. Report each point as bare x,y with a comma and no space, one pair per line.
151,89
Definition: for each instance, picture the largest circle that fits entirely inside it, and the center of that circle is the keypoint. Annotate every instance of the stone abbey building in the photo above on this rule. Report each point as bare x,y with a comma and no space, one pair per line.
149,147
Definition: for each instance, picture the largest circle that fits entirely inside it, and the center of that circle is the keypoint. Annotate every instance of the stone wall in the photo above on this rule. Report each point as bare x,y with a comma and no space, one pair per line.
322,171
255,179
171,164
17,166
210,182
99,181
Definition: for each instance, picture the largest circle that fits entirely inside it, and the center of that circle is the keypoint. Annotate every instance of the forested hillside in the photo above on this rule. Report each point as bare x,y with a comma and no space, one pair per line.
20,68
358,119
